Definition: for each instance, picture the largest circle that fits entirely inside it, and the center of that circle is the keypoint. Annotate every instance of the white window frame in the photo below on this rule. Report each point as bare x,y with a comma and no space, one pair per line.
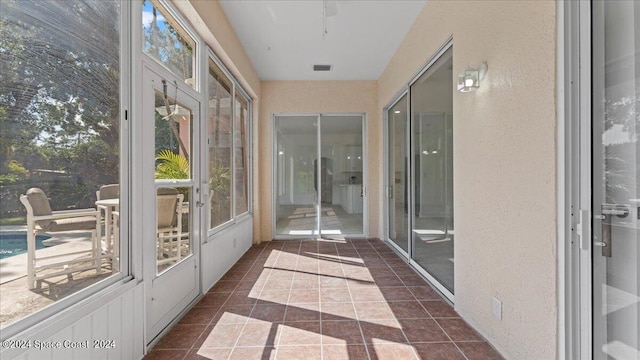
63,310
235,86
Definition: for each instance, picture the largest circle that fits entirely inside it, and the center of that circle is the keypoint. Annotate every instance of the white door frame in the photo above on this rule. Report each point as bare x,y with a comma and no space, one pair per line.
167,285
574,179
576,248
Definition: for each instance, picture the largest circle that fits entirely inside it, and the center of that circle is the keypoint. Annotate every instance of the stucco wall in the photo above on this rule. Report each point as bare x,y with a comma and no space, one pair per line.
504,163
320,97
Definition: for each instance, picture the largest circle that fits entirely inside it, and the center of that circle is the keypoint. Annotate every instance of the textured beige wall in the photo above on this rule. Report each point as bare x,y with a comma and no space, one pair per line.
320,97
504,163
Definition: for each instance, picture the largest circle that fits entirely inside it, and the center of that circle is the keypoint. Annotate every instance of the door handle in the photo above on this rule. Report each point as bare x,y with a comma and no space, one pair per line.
608,211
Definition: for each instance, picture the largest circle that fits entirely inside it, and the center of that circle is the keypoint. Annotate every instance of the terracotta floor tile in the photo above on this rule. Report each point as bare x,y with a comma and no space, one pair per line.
299,353
241,298
300,333
274,296
388,281
157,354
233,276
317,299
304,296
303,312
232,315
181,337
412,280
422,330
200,315
439,308
224,286
304,284
424,293
438,351
251,353
335,295
341,332
208,354
213,299
219,336
332,282
479,351
344,352
278,284
382,272
337,311
259,334
398,293
458,330
269,313
387,330
366,295
408,310
373,310
385,351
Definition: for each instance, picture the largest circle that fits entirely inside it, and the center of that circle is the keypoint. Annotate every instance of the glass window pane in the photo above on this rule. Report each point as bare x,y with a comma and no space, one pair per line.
173,138
398,177
341,175
241,133
166,41
296,211
432,128
60,143
220,146
615,191
173,162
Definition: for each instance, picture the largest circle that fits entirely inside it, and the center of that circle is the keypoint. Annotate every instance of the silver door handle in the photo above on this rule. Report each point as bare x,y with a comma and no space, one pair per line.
606,230
621,211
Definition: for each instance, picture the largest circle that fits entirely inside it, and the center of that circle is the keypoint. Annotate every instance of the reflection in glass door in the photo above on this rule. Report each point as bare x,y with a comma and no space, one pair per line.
432,175
615,186
296,195
398,191
319,175
341,175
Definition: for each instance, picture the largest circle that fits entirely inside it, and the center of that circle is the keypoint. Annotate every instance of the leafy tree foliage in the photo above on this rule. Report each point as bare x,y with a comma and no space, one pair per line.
59,98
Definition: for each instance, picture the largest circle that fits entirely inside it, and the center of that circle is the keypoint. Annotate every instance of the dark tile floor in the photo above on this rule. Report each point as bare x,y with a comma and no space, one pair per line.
346,299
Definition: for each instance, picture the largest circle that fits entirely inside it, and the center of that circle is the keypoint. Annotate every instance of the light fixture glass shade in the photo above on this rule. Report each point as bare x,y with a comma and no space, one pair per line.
468,80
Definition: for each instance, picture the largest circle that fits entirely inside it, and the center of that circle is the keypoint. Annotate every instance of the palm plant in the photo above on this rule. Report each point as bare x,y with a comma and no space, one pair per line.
172,166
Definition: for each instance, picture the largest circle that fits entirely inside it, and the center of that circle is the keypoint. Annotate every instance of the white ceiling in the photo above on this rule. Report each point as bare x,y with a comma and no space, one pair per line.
284,39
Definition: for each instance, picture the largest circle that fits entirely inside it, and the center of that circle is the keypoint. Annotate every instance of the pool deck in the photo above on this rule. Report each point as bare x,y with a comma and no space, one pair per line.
18,301
15,267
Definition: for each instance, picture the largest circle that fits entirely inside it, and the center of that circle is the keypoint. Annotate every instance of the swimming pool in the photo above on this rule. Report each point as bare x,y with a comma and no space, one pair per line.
14,243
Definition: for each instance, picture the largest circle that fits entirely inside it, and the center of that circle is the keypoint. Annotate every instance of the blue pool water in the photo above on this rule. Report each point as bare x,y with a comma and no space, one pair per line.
14,243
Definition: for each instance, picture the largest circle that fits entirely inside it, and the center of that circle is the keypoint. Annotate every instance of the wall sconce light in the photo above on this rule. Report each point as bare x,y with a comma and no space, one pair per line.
469,79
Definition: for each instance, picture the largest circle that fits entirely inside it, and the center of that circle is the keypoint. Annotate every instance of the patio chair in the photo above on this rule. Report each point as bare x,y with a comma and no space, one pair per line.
41,219
109,191
171,240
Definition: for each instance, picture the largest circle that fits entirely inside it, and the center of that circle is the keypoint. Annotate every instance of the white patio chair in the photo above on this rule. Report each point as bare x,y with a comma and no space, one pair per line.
171,240
41,219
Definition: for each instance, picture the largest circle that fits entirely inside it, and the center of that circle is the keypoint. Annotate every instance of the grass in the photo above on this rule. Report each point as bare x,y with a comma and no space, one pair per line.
13,221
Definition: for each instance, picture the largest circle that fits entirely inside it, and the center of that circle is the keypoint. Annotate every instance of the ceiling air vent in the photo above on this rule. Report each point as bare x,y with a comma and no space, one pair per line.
321,67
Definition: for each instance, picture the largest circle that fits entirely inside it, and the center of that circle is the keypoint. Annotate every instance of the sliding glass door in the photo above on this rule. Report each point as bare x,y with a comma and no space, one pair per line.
432,160
319,173
420,175
296,201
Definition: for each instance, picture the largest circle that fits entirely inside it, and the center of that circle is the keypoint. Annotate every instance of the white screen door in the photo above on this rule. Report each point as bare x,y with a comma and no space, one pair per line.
171,246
